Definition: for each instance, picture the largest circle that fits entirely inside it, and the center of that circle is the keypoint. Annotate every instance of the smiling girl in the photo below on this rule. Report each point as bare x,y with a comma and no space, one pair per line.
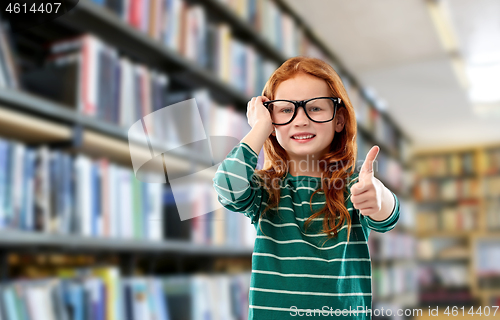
312,211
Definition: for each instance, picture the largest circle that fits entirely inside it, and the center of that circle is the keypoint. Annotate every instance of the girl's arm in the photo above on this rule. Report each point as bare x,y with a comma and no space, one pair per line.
239,189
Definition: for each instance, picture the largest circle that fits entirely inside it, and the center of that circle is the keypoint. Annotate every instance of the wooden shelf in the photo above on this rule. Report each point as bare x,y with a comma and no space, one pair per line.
32,129
444,234
34,241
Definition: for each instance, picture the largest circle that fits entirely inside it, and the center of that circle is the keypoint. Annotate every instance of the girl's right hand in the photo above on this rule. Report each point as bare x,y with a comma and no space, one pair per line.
258,113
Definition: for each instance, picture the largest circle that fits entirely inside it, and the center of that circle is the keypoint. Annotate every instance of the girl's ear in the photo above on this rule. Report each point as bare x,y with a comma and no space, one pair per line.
339,120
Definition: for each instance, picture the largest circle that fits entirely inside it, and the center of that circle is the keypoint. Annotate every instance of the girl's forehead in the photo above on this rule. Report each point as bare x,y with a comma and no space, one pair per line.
302,87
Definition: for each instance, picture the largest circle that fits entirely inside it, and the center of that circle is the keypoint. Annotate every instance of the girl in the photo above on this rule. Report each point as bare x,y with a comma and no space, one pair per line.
313,211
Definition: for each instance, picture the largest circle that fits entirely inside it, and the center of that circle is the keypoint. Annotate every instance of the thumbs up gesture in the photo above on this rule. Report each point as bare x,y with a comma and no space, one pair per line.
369,195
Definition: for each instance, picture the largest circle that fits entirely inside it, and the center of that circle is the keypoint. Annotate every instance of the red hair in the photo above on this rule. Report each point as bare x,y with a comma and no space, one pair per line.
342,151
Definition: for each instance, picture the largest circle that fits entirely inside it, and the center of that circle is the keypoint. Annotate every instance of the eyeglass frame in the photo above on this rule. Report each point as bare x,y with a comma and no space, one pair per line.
298,104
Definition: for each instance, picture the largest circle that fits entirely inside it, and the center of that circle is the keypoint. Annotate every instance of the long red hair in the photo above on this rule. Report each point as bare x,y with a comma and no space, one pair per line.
342,152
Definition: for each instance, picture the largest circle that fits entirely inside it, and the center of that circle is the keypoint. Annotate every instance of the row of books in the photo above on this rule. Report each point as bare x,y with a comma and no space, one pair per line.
447,190
188,30
393,280
492,209
463,217
180,24
391,245
491,161
129,93
453,164
51,191
491,186
9,77
434,249
102,293
87,75
211,227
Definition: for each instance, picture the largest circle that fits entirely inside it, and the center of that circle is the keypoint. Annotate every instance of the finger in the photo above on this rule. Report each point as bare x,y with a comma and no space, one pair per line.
358,188
362,205
260,100
367,166
359,199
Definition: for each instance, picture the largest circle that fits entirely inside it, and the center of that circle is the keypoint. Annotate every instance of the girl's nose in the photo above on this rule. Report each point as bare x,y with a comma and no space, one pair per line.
301,117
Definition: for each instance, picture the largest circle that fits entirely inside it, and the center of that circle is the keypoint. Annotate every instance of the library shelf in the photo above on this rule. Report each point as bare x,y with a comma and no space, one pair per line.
44,121
16,240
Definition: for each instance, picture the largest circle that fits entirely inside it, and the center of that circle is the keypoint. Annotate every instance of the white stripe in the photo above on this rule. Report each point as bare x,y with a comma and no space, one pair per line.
297,310
307,202
313,293
289,224
230,191
282,208
309,258
249,149
319,248
299,188
234,175
290,209
230,201
300,275
242,162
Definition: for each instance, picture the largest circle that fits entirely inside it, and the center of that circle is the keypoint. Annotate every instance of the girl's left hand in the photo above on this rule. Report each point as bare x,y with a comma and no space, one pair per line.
367,194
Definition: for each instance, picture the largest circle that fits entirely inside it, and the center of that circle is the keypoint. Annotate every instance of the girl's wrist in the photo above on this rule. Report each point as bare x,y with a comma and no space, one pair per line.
264,126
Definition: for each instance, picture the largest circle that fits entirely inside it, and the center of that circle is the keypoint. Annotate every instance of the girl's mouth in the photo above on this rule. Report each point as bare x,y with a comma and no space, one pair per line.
304,139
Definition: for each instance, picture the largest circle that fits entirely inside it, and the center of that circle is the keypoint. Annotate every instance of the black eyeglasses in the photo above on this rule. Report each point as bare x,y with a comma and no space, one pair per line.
321,109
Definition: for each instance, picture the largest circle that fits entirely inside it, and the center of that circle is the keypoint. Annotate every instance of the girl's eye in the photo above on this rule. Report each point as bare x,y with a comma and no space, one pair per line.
287,110
315,109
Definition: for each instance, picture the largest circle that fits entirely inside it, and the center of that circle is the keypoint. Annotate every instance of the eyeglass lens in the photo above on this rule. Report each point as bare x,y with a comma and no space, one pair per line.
318,109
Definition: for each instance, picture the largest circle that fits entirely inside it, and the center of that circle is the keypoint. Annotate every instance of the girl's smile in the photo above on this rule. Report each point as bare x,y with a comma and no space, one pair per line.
303,137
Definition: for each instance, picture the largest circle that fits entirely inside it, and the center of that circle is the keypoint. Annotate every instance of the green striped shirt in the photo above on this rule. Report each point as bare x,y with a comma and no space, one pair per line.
293,272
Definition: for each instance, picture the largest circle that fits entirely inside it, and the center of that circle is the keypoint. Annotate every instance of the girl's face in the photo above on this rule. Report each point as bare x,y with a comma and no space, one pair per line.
302,87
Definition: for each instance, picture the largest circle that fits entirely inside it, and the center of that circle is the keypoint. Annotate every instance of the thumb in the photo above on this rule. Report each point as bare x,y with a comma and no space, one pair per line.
367,167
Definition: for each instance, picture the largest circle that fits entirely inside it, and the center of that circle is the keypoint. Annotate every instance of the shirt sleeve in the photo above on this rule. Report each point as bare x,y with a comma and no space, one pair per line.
384,225
238,188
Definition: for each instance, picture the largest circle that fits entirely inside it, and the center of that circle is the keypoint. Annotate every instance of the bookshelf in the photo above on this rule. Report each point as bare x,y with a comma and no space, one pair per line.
39,116
456,197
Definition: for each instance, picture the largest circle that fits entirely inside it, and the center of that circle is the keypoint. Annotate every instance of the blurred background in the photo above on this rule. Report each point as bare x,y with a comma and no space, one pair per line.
86,234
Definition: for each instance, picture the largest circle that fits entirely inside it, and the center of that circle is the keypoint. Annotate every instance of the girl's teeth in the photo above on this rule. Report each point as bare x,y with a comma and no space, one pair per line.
306,137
